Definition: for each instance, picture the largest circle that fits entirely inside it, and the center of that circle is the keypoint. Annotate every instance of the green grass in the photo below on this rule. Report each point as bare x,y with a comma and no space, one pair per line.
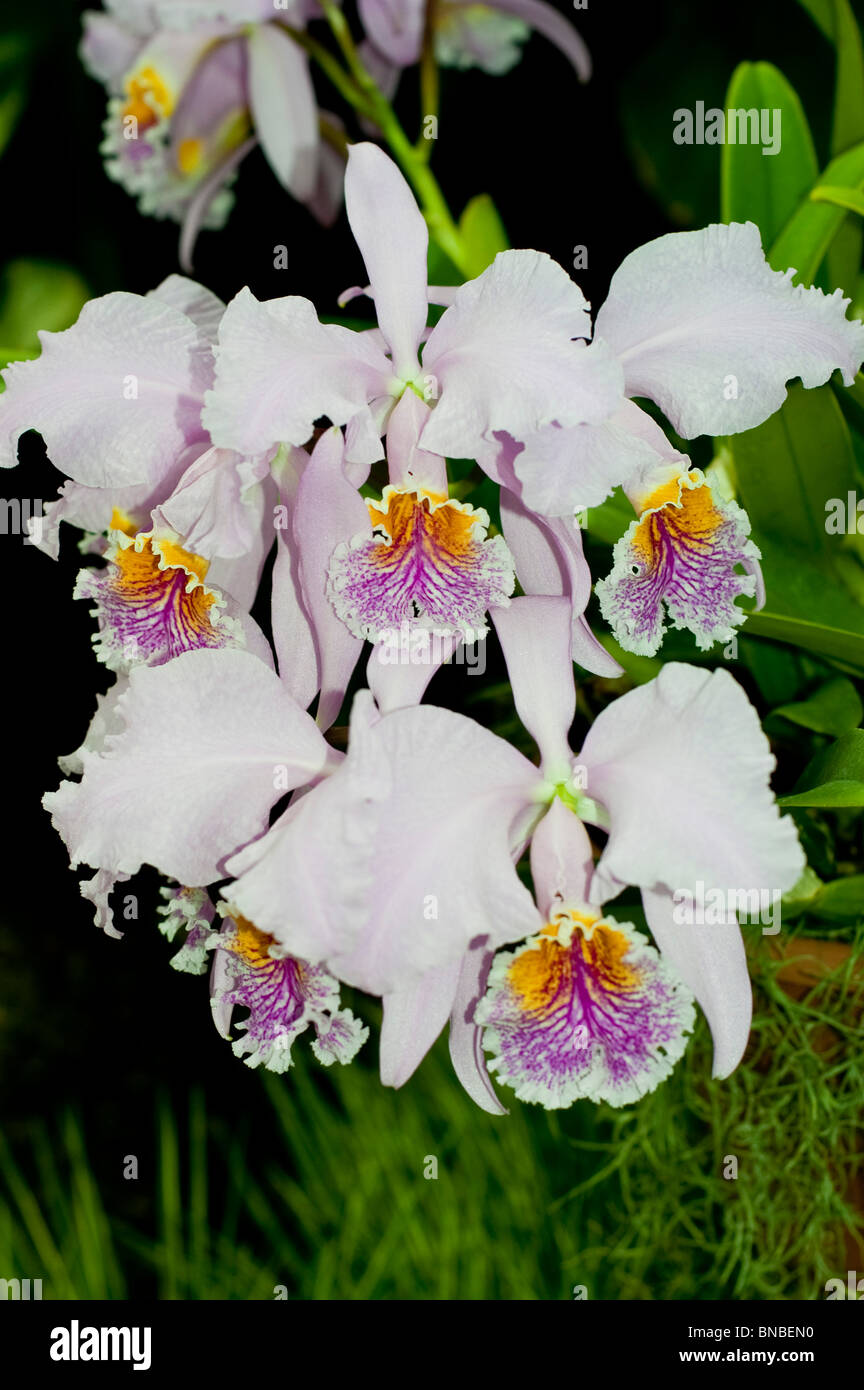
332,1202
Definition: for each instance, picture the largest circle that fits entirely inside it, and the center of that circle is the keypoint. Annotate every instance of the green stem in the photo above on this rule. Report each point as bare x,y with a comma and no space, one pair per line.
413,162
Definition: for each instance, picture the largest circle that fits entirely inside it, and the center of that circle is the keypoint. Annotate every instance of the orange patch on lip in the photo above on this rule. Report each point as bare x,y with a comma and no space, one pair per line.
539,976
252,945
141,578
444,526
686,519
148,98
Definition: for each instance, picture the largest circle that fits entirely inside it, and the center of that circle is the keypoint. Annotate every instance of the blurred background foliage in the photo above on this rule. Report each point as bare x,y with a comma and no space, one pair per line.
314,1183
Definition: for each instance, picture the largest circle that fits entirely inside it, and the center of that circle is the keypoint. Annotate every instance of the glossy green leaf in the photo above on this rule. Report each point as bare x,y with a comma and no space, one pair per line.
841,900
759,188
806,608
834,777
834,709
850,198
806,238
791,465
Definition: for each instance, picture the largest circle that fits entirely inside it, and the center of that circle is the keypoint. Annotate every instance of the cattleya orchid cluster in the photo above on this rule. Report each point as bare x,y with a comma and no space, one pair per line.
197,439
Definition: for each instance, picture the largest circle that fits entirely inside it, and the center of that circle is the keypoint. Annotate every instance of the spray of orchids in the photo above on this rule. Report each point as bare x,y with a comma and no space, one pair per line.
392,869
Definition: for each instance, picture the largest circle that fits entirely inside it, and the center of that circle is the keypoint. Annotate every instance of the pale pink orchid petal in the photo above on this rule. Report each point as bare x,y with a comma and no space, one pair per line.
707,330
117,397
550,560
210,742
413,1018
329,511
278,370
502,357
392,236
284,109
711,961
466,1038
536,635
683,769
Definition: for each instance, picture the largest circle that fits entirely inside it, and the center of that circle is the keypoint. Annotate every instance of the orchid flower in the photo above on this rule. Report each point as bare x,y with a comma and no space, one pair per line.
706,330
417,789
502,357
467,34
117,399
193,87
420,787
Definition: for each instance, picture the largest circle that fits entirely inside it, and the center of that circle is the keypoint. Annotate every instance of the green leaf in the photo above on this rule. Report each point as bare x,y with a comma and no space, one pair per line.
804,608
36,295
806,238
834,709
763,190
841,900
848,124
482,233
850,198
787,467
834,777
610,520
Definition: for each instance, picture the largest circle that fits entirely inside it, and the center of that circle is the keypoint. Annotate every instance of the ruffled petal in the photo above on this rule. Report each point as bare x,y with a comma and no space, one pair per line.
117,397
404,809
211,741
586,1010
683,769
284,996
705,328
279,370
683,555
428,563
191,911
502,358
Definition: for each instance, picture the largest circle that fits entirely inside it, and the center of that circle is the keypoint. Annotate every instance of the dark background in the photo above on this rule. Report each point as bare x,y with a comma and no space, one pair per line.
101,1022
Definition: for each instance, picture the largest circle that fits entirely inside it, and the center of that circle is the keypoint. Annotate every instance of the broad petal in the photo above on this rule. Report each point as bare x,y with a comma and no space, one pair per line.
502,357
413,1018
117,397
279,370
284,108
711,961
393,239
211,741
705,328
564,470
536,635
683,769
404,808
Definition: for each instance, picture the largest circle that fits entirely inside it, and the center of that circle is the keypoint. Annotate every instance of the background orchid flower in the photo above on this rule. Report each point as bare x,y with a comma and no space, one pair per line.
466,34
502,357
704,328
117,399
193,94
